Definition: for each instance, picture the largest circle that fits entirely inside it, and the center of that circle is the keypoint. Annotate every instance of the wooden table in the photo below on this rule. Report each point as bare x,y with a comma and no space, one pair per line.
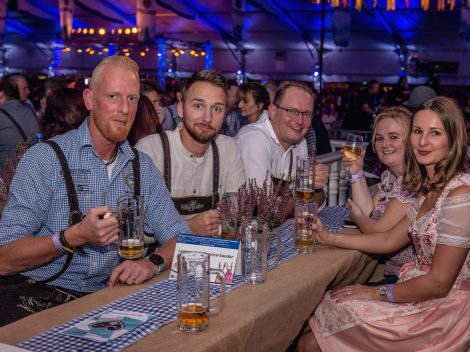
255,318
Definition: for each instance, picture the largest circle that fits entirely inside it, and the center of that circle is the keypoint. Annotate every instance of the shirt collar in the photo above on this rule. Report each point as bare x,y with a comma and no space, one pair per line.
272,134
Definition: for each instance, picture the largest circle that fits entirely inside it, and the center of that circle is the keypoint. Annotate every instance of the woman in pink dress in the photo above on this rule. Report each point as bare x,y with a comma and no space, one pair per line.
380,212
429,308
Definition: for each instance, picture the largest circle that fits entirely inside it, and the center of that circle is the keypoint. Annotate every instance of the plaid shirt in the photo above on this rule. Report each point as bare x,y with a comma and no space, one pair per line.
38,204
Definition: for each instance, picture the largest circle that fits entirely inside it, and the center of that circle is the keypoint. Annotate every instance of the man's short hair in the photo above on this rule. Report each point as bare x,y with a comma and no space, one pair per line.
117,60
10,89
210,76
54,83
147,86
281,90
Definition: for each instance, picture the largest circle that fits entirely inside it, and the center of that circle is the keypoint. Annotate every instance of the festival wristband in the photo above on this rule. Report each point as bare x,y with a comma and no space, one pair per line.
57,244
355,177
390,297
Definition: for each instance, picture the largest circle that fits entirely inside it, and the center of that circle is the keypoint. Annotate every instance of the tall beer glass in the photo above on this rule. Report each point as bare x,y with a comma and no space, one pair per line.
193,291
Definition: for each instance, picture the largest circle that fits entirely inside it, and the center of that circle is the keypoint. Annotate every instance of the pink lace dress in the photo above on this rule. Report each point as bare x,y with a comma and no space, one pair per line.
436,325
388,190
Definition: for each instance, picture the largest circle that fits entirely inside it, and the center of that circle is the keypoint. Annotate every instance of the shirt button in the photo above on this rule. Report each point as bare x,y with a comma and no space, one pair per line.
194,191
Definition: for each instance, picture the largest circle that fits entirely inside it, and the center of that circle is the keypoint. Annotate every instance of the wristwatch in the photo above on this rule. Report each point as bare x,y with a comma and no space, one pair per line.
383,291
158,261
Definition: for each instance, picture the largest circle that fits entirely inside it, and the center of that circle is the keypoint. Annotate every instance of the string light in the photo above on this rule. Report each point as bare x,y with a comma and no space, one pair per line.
101,31
134,30
127,31
91,31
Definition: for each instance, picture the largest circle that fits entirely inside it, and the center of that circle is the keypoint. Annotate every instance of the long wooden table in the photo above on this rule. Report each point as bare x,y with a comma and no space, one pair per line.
255,318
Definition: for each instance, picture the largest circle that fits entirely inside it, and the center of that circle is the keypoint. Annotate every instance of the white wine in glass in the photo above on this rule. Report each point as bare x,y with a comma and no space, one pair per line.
352,147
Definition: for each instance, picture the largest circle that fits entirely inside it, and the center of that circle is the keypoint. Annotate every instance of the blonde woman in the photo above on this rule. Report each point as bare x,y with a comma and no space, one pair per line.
380,212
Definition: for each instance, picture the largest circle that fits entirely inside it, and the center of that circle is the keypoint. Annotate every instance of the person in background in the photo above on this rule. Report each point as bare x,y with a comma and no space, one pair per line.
383,210
418,96
22,84
271,87
232,119
18,122
35,228
399,91
65,111
146,121
154,93
429,308
254,101
51,84
172,119
329,115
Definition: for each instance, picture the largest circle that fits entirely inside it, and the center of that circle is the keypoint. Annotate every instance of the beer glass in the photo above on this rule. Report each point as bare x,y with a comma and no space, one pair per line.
352,147
305,216
305,177
256,241
193,291
130,215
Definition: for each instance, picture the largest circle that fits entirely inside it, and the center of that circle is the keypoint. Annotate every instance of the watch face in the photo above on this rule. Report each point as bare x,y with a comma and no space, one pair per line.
156,259
383,290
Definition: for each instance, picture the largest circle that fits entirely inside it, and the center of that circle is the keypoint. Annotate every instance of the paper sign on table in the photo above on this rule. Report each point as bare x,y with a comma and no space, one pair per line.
108,325
223,253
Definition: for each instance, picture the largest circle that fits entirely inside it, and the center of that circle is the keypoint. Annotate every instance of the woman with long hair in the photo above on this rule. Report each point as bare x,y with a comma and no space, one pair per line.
146,121
429,308
65,110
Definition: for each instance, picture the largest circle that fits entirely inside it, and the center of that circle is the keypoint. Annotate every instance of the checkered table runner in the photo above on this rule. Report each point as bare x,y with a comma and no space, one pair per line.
159,300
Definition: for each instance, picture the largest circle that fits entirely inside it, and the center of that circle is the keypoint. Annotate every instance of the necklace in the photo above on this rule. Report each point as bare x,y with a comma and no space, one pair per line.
113,157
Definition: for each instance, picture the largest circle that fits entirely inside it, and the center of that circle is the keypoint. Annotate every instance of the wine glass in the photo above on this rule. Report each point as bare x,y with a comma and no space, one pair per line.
352,150
352,147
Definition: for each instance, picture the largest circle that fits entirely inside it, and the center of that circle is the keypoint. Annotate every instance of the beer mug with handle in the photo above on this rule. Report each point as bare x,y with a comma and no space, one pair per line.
193,291
256,242
130,215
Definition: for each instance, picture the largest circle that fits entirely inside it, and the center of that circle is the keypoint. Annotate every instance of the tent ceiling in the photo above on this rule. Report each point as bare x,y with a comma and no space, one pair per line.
270,25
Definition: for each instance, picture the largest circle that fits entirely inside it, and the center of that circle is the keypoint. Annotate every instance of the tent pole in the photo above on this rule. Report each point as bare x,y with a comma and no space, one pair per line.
320,57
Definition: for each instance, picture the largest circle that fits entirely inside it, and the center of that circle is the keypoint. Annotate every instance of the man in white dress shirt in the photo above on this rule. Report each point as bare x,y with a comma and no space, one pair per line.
270,146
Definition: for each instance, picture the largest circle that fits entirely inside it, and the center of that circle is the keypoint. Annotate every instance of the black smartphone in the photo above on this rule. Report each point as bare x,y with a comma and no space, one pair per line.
350,224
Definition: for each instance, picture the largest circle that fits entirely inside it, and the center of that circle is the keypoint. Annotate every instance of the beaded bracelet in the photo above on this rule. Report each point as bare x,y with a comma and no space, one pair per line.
57,244
390,297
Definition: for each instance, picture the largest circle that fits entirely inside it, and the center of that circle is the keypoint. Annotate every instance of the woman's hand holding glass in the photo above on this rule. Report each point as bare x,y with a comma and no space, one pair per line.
354,166
323,235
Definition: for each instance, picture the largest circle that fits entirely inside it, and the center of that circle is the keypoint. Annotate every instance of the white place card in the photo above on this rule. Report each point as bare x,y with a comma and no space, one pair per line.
223,253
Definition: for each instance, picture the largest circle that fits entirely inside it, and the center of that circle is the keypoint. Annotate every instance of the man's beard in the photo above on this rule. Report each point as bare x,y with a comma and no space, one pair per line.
111,132
202,137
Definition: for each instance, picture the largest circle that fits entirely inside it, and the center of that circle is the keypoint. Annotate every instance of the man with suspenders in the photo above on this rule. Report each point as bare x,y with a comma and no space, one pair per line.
198,165
56,241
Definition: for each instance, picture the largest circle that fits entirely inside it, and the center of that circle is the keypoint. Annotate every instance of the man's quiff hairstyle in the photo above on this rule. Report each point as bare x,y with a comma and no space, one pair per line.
281,90
117,60
210,76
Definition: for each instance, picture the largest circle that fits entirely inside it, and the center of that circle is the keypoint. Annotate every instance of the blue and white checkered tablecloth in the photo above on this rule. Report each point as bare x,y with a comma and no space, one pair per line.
159,300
